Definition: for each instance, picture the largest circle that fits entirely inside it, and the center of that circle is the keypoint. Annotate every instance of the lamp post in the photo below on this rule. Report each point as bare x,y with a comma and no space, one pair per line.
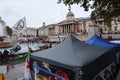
44,27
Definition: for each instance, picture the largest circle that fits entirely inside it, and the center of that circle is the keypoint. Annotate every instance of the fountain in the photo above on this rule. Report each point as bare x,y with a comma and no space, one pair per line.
4,44
4,41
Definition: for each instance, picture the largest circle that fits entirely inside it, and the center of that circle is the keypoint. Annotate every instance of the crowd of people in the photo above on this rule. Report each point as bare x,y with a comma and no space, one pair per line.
7,55
29,41
44,45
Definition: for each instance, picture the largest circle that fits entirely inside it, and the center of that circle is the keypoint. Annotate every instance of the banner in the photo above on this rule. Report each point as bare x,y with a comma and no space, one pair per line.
20,25
108,73
38,70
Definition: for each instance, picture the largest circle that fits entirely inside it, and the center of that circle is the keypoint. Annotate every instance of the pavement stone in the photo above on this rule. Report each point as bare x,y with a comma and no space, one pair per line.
15,71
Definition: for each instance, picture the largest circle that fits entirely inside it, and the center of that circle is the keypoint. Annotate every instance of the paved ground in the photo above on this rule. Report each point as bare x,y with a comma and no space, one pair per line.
15,69
14,72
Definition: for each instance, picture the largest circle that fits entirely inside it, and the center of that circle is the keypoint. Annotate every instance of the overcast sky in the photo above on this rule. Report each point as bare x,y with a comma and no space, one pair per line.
37,11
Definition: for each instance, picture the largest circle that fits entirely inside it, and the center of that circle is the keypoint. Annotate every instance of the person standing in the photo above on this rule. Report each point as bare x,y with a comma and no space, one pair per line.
30,50
50,45
0,57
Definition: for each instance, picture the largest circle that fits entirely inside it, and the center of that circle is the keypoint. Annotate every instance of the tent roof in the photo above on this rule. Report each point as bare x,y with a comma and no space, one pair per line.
70,53
96,40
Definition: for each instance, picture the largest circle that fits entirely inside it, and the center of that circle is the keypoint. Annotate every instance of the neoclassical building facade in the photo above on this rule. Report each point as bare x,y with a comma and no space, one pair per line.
74,25
70,25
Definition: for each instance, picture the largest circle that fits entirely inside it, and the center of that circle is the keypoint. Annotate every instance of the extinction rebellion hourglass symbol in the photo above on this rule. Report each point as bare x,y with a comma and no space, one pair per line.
20,25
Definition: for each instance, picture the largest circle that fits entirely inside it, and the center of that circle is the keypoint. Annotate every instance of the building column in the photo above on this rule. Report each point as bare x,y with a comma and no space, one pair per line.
84,25
76,26
59,31
73,30
70,27
65,29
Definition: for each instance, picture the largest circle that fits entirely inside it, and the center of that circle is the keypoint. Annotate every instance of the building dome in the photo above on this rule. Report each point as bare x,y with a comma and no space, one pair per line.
70,14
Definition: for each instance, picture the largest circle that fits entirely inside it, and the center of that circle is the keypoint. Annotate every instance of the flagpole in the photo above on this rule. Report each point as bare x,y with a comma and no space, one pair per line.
27,41
29,52
19,26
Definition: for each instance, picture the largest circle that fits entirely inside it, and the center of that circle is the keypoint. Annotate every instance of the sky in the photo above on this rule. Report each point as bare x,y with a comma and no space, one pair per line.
37,12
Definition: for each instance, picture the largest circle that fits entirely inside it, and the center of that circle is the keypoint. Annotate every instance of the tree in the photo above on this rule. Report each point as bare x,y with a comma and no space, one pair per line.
9,30
106,9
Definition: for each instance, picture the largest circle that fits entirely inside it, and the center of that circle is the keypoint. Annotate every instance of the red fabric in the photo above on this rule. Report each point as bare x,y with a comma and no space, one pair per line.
27,69
63,74
28,63
12,52
49,77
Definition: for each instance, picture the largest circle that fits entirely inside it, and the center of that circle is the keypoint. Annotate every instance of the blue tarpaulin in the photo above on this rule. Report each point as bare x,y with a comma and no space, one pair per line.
96,40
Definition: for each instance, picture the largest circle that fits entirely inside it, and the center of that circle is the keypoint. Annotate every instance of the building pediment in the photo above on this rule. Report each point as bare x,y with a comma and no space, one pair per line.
67,22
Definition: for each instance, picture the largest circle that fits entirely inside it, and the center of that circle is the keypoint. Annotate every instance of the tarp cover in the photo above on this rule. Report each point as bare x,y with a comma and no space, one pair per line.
71,53
96,40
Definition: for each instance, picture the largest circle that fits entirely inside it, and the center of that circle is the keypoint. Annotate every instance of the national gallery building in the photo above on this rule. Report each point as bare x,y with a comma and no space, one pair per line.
74,25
